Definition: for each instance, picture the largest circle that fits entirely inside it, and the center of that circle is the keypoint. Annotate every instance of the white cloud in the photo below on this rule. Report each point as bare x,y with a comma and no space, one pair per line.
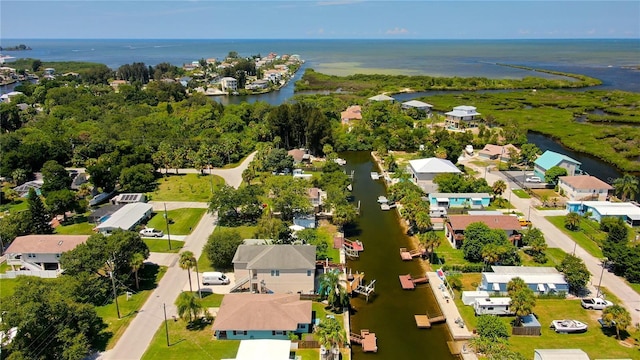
397,31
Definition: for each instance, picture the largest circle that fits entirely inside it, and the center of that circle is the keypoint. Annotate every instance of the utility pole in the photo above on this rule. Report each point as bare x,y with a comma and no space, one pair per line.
111,264
166,219
604,263
166,326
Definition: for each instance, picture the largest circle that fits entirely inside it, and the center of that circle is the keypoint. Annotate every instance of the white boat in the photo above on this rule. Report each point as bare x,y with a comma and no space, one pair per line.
340,161
375,175
382,200
568,326
387,206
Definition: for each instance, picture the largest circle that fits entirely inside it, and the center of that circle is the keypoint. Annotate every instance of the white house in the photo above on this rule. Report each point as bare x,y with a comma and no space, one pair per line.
418,105
584,187
41,252
598,210
6,98
129,198
276,268
461,117
126,218
424,170
229,84
542,280
382,97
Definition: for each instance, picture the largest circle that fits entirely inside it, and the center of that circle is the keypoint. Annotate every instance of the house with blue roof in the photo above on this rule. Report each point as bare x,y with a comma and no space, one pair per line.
550,159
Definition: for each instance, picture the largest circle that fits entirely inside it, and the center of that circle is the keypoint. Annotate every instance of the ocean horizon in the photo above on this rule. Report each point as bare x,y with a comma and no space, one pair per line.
614,61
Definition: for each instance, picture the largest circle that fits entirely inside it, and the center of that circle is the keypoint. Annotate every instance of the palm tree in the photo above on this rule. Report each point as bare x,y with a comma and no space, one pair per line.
626,186
186,263
522,303
137,263
617,315
514,285
491,253
430,240
423,221
331,288
331,334
188,306
572,221
499,187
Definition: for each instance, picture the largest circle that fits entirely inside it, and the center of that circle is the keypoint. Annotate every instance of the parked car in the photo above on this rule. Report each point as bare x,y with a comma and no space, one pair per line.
535,179
214,278
524,222
595,303
151,232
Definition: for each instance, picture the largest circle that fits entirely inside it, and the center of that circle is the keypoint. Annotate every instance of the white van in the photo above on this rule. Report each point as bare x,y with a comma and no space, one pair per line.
214,278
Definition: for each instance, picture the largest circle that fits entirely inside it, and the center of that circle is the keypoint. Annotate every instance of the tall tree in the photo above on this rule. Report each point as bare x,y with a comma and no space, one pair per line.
332,289
626,187
617,316
499,187
523,300
331,335
61,201
430,240
572,221
55,177
187,262
189,306
221,247
575,272
137,263
39,215
551,176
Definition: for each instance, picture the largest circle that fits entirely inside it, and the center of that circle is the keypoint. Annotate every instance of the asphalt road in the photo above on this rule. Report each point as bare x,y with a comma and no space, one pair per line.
556,238
140,332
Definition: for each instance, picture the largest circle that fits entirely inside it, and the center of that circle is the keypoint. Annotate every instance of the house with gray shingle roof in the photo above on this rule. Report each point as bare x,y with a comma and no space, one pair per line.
276,268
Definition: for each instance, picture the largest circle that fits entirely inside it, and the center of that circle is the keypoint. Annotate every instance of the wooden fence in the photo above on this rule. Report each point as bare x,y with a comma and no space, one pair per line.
525,330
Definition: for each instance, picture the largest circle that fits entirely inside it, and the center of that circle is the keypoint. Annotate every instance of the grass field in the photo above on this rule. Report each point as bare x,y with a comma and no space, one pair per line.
579,237
7,287
83,228
129,308
184,220
185,187
162,245
246,232
18,205
521,194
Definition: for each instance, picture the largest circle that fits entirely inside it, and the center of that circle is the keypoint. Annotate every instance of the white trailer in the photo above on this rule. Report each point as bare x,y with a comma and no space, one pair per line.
470,297
493,306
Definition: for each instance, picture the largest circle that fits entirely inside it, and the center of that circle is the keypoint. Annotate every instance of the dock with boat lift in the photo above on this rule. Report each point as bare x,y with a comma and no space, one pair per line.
409,282
366,339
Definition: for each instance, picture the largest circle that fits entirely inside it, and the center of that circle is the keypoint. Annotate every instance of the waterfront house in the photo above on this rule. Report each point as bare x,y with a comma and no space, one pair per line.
452,200
550,159
39,255
127,198
275,268
542,280
244,316
424,170
457,224
257,85
6,98
126,218
353,112
498,152
598,210
382,97
229,84
584,187
462,117
418,105
317,197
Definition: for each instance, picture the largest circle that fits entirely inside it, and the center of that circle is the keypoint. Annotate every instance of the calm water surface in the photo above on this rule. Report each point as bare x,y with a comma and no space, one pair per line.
390,313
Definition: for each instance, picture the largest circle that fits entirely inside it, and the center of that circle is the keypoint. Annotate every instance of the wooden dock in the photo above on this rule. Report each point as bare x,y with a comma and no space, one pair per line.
408,282
408,255
366,339
425,322
366,290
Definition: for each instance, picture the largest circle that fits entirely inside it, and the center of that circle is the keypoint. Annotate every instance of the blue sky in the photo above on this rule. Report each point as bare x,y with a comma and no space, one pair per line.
330,19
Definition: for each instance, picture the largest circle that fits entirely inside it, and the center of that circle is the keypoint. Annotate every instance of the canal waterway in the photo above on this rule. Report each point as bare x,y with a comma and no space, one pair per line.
390,312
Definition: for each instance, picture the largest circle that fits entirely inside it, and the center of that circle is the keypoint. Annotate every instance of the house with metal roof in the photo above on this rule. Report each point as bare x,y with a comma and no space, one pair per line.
462,117
275,268
128,198
550,159
126,218
424,170
584,187
41,253
418,105
244,316
382,97
469,200
542,280
598,210
457,224
560,354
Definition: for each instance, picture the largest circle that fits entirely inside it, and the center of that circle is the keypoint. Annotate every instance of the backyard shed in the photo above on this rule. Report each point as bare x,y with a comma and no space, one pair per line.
530,326
469,297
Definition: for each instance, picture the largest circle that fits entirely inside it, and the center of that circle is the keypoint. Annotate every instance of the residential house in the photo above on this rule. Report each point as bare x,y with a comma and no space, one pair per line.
598,210
129,198
103,213
317,197
418,105
381,97
116,83
462,117
550,159
244,316
353,112
275,268
126,218
257,85
229,84
498,152
468,200
49,71
298,155
424,170
184,81
6,98
457,224
542,280
41,252
584,187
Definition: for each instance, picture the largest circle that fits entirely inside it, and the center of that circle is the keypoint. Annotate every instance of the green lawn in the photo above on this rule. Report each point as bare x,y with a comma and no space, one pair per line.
246,232
184,220
17,205
554,257
162,245
185,187
83,228
129,308
579,237
7,287
521,194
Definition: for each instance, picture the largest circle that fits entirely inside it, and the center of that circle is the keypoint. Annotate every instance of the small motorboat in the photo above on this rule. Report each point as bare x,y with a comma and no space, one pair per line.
568,326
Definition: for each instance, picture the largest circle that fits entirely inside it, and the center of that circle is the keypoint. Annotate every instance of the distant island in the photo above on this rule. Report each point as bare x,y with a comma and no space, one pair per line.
20,47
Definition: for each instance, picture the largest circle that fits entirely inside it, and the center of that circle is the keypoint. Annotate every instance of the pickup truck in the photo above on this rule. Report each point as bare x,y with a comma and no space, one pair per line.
595,303
151,232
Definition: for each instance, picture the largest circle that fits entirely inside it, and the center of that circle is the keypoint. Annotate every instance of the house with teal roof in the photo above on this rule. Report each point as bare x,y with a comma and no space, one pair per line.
550,159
